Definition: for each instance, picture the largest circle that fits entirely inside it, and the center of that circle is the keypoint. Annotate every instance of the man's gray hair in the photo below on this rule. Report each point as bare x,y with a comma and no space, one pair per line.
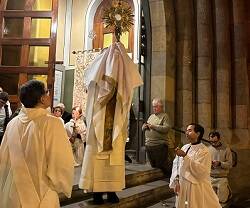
158,101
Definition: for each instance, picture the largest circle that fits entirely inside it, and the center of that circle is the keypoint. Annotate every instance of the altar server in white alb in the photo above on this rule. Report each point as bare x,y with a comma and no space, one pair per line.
110,79
190,177
76,131
36,160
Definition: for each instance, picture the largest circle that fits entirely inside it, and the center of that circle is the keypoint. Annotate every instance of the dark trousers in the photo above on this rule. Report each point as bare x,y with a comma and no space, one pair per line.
158,157
1,138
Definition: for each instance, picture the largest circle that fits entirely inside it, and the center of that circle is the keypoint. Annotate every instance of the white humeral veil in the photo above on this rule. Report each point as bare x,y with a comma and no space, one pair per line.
112,70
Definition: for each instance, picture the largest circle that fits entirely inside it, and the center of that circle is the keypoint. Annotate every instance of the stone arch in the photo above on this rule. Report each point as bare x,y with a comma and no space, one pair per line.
90,14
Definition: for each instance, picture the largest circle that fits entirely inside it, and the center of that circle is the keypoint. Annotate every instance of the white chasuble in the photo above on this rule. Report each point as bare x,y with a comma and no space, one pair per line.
111,79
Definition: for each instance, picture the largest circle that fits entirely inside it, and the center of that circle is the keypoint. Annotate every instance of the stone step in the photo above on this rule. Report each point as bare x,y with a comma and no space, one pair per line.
136,174
140,174
168,202
134,197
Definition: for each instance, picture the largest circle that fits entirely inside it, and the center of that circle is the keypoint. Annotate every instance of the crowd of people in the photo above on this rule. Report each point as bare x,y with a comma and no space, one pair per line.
32,161
40,147
199,172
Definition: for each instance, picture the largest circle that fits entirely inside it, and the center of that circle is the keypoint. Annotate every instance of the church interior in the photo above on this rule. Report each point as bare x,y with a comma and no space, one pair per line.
193,54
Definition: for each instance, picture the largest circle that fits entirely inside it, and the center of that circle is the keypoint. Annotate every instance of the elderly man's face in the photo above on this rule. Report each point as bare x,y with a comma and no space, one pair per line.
157,107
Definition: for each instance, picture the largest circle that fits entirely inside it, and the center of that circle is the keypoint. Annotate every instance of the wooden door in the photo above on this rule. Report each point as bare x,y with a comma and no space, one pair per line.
27,43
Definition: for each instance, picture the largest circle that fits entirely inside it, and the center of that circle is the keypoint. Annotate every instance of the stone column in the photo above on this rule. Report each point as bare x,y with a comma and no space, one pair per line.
163,53
184,55
205,63
223,66
240,75
158,69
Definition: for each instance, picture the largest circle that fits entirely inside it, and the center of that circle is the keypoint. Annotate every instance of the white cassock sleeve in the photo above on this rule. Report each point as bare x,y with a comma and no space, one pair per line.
175,171
60,159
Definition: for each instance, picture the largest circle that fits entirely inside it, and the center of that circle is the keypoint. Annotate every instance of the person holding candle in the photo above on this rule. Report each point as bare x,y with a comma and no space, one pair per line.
190,177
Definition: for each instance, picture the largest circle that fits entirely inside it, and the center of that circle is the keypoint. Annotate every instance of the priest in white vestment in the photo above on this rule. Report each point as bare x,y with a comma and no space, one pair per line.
190,177
36,160
111,80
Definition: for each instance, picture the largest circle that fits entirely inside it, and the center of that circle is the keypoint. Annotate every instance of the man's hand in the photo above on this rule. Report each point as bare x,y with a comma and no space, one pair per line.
177,188
216,163
180,152
77,129
72,140
150,126
145,126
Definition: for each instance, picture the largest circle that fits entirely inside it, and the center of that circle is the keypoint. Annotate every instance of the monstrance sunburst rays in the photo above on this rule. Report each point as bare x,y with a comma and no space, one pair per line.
119,17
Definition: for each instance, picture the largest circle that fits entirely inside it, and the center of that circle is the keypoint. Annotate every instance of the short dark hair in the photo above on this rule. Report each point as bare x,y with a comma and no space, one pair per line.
214,134
58,107
198,128
31,92
4,96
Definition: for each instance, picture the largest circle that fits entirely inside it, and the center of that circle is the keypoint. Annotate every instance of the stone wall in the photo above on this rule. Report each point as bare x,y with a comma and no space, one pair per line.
200,62
163,55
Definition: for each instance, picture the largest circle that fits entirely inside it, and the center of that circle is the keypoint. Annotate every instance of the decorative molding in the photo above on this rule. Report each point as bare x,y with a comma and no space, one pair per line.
83,59
67,36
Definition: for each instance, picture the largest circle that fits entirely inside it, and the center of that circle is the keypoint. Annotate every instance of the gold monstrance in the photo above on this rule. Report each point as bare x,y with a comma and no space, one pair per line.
119,17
